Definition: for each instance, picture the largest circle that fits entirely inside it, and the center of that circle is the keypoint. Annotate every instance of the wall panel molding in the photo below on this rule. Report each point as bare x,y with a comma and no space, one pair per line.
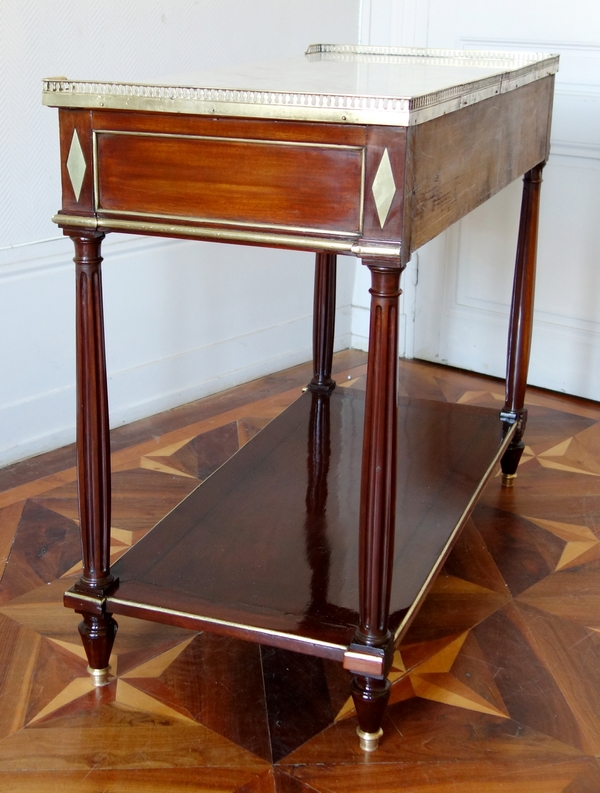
160,384
582,151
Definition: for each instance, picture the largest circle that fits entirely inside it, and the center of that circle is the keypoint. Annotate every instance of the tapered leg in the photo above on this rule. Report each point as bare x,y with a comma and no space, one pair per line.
93,453
378,494
323,323
521,322
370,696
98,636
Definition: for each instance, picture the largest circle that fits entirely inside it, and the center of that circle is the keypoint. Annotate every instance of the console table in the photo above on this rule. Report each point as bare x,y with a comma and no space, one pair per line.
323,534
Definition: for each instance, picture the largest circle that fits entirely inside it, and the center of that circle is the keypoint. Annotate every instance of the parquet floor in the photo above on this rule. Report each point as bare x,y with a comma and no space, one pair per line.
496,687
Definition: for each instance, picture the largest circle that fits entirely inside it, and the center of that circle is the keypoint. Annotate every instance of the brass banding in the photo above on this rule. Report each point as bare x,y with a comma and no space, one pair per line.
99,601
100,677
369,741
300,242
227,623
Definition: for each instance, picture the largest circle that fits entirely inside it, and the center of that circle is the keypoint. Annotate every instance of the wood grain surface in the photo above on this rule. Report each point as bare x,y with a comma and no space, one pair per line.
262,182
460,160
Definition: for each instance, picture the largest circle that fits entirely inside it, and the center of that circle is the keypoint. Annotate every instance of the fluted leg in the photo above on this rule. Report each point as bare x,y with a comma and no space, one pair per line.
378,495
93,453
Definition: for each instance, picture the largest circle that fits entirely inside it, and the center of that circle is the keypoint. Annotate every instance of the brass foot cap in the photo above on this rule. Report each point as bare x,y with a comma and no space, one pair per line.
100,676
369,741
508,480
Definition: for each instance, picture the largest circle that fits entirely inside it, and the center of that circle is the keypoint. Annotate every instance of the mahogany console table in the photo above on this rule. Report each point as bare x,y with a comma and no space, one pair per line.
323,534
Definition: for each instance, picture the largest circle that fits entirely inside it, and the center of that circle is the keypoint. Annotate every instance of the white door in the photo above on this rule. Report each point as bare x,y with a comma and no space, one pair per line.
464,278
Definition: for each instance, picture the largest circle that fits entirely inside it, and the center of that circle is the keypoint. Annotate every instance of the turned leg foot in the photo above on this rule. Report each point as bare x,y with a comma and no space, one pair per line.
370,697
98,636
510,463
512,456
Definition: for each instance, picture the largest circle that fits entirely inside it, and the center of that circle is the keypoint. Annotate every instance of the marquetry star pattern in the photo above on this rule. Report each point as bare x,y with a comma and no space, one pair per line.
509,636
119,690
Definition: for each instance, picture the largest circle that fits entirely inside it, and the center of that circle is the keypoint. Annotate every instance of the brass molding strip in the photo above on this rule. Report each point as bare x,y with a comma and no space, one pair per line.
99,601
76,220
298,242
357,662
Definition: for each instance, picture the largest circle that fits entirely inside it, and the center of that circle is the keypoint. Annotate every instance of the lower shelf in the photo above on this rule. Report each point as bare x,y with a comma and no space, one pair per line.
267,548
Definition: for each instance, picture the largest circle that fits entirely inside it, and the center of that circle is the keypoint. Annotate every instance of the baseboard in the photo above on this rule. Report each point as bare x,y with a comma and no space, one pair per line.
160,385
479,344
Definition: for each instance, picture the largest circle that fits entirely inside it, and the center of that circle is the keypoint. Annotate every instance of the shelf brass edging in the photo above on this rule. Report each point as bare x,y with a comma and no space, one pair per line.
357,662
416,604
363,663
225,623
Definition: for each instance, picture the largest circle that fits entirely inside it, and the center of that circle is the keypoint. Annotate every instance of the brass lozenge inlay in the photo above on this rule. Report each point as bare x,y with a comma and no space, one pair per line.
76,165
384,187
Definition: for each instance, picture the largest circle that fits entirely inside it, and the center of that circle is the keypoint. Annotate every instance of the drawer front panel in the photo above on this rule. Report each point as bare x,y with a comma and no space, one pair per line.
268,184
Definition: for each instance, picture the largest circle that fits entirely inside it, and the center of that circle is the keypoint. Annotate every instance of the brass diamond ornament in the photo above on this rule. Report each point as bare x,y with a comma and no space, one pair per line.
76,165
384,188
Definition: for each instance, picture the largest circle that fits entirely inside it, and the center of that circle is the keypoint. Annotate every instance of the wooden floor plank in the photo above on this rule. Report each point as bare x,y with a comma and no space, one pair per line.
115,747
154,780
446,777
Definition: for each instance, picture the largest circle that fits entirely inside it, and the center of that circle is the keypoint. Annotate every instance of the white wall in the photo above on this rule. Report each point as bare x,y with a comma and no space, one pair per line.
464,277
184,319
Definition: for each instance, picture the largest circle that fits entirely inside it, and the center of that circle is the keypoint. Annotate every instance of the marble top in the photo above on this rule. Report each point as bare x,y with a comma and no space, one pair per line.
333,83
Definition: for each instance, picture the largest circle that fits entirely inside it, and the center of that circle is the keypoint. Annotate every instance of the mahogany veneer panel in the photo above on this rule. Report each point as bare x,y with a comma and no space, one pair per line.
235,180
80,121
245,128
460,160
271,539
